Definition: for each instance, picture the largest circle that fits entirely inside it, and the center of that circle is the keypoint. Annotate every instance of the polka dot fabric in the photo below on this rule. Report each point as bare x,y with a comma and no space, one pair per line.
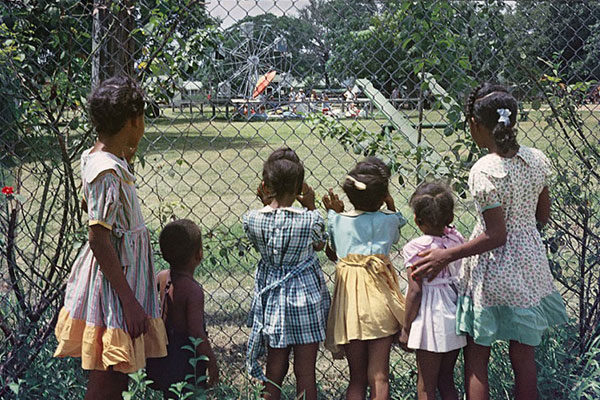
514,277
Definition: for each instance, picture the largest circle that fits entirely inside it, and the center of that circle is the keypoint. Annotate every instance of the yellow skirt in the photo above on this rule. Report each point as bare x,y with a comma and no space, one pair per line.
100,347
367,302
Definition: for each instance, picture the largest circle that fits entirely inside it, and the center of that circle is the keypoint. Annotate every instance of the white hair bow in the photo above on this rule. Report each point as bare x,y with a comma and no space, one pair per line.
357,184
504,116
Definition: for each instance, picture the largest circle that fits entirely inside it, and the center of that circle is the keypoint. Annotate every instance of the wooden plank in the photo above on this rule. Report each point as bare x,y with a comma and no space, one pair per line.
438,91
402,124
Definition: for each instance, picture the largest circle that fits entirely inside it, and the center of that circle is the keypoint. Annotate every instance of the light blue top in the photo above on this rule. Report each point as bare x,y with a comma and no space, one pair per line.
365,233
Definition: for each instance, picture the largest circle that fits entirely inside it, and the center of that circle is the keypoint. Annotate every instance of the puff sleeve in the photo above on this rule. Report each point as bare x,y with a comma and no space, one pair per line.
318,234
401,221
103,200
483,190
247,223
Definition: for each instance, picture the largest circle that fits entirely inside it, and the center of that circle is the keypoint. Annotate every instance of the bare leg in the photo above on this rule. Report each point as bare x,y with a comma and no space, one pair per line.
106,385
445,382
305,358
277,367
476,370
357,355
428,368
378,371
522,358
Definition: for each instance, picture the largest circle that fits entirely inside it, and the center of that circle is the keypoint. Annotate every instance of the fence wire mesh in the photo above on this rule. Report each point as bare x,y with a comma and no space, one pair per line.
346,79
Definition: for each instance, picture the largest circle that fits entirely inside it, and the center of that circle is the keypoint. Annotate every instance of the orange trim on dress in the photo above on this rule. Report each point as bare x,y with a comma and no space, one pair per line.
98,222
100,347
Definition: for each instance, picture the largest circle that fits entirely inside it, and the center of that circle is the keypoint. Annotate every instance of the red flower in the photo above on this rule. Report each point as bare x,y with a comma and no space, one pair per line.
8,190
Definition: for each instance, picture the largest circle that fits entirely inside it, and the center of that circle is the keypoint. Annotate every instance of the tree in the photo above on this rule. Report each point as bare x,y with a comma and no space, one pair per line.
46,59
331,25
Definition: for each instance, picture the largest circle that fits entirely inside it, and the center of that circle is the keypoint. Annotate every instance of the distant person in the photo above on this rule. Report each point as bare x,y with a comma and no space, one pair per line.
111,316
506,290
367,310
395,96
182,300
326,104
430,319
291,300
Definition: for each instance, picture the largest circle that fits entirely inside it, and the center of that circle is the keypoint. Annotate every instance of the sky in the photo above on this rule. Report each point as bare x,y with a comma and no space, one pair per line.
230,11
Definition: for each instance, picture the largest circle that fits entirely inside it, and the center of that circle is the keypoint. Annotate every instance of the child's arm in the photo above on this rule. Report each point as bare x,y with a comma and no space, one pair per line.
331,201
413,303
104,251
195,325
433,261
307,199
542,211
389,202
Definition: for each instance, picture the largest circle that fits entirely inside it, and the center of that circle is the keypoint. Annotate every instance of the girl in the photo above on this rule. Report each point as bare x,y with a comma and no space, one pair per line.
367,308
289,309
507,291
430,321
111,317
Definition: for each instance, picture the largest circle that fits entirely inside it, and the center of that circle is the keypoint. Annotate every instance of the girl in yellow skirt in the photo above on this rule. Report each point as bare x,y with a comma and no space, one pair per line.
111,317
367,308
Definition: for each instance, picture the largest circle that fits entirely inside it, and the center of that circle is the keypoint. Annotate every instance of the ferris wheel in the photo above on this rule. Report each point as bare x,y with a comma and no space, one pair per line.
249,54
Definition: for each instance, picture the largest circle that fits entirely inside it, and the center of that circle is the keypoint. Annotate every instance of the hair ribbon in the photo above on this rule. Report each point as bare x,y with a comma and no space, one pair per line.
357,184
504,116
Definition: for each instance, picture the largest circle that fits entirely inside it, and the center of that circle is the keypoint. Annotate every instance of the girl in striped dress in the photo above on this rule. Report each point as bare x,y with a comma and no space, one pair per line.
111,316
291,301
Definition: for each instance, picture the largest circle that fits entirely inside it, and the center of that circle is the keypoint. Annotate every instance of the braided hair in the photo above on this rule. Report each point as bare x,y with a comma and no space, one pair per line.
485,105
283,172
113,102
433,204
375,176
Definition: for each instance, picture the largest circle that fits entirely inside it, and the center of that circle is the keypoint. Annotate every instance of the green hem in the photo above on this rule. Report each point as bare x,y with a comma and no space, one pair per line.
524,325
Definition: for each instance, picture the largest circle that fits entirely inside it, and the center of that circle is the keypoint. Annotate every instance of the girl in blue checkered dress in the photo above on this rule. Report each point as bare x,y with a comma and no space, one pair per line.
291,301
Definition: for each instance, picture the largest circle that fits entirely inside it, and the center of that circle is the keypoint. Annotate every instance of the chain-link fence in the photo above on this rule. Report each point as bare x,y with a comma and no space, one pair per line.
228,82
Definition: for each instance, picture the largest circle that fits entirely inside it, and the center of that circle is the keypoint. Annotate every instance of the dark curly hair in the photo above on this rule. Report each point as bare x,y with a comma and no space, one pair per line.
433,204
483,105
113,102
283,172
375,175
179,240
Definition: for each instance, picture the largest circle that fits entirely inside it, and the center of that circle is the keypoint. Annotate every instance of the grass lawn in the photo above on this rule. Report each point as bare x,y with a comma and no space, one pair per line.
208,171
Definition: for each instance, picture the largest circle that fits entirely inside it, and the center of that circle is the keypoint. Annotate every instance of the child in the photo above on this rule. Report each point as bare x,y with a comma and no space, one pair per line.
507,290
367,308
182,300
291,301
430,320
111,317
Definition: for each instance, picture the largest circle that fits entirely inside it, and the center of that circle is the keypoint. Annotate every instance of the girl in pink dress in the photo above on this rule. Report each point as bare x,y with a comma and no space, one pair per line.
430,319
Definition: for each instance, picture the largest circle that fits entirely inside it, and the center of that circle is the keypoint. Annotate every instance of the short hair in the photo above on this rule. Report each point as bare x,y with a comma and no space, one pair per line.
113,102
483,105
179,240
433,204
283,172
376,176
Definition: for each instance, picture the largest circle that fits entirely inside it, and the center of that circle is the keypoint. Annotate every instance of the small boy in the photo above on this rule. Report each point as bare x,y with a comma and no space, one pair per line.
182,300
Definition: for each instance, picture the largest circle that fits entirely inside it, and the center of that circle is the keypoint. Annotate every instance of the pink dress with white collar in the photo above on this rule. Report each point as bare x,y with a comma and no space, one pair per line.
434,328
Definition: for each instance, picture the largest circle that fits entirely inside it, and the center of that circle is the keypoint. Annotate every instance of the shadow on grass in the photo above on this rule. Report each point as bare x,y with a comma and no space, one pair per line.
158,142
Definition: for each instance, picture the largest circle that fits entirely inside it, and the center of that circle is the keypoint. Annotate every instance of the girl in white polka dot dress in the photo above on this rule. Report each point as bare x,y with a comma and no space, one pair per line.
507,290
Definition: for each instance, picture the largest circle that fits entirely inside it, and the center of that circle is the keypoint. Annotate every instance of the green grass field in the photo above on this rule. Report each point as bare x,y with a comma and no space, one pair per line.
208,171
